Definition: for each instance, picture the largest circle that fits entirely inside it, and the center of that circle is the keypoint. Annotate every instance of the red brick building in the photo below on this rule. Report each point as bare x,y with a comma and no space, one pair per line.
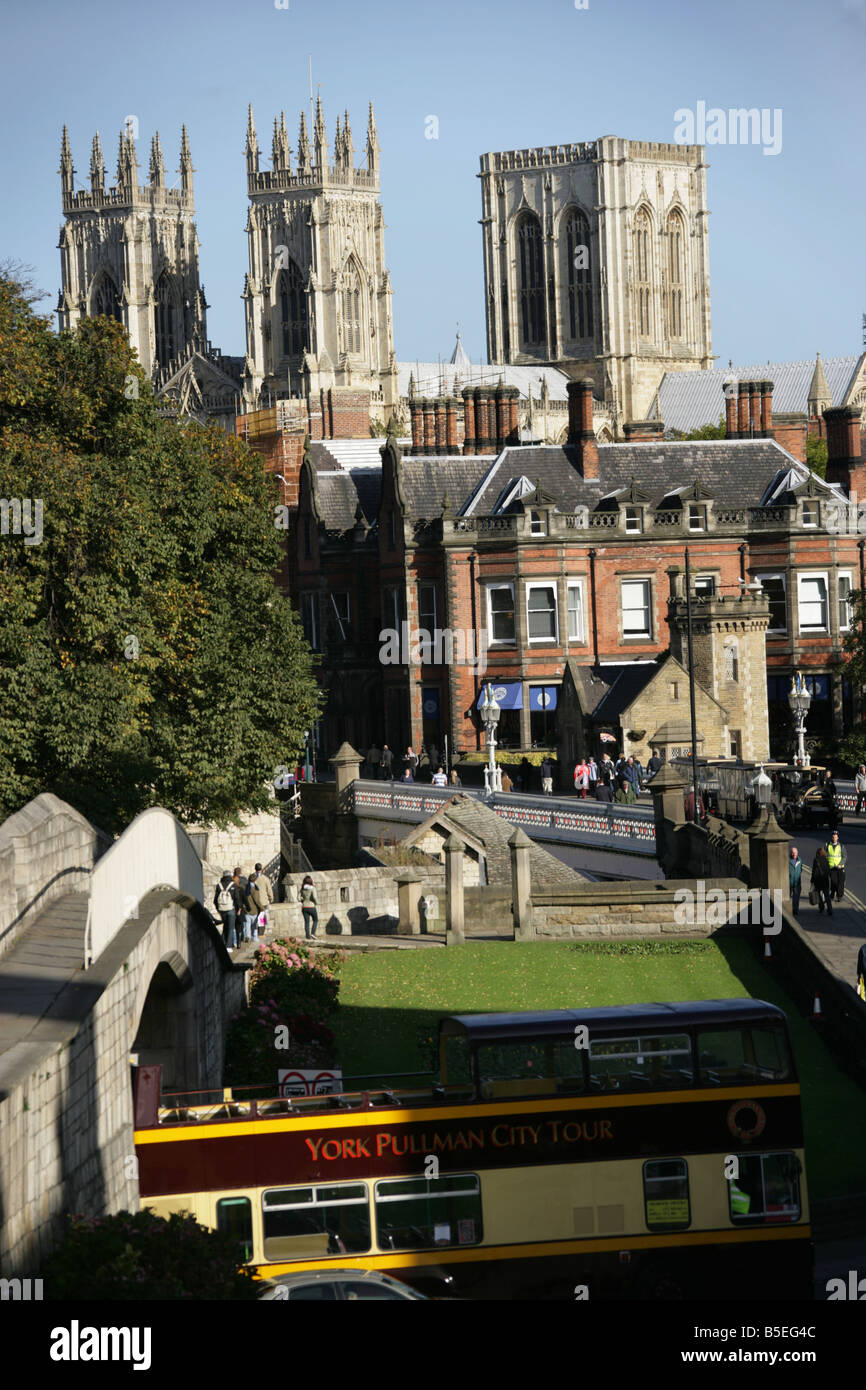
544,555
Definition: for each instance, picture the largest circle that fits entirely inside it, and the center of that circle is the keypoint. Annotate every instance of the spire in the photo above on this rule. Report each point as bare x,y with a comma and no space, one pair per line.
252,145
348,146
458,357
338,146
186,169
66,171
303,147
285,147
320,140
157,163
127,163
819,392
121,159
97,167
276,153
372,143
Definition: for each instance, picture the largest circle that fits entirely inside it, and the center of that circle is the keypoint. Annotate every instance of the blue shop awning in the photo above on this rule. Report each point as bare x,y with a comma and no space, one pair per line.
507,694
543,697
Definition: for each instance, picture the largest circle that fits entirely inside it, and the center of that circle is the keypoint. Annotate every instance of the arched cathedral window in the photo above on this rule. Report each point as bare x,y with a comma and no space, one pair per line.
293,311
578,275
643,272
352,301
676,257
166,320
104,299
530,281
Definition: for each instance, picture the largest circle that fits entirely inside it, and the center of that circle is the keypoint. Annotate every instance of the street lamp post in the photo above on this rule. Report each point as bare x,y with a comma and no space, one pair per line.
763,789
799,700
490,718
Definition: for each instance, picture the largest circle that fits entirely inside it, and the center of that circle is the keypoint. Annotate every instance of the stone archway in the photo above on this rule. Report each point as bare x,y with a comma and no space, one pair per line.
167,1027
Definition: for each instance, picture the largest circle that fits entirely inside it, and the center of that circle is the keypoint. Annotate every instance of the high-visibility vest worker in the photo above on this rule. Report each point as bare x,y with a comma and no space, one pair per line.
740,1201
834,855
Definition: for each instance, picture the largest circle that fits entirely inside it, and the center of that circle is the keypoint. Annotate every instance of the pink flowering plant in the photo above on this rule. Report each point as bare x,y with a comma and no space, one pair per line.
293,995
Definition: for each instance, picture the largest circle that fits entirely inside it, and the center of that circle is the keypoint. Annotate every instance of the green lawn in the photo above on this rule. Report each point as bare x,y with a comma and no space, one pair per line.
392,1001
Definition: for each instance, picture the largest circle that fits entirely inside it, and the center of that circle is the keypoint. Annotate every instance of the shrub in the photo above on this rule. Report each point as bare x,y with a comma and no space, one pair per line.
133,1256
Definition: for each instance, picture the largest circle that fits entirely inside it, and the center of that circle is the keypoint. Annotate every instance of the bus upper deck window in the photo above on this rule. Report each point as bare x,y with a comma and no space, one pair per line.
742,1054
544,1066
656,1062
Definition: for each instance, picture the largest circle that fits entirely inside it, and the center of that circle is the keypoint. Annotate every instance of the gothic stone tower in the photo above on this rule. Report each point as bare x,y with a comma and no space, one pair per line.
131,252
729,644
596,260
318,293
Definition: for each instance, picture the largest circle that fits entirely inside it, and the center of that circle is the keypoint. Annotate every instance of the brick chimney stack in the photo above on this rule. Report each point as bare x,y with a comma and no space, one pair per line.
482,427
731,430
417,420
767,409
845,462
501,398
440,427
643,431
451,426
513,417
755,408
581,434
743,410
469,432
429,409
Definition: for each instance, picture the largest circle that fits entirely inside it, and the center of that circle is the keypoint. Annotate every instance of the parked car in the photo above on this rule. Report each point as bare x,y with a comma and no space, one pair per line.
337,1286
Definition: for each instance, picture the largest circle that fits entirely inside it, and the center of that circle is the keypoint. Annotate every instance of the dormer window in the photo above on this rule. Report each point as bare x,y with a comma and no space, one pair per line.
538,523
633,520
810,513
697,517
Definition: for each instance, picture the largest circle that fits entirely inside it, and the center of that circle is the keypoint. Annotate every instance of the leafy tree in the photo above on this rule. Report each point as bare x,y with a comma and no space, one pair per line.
703,432
148,657
816,455
853,745
132,1256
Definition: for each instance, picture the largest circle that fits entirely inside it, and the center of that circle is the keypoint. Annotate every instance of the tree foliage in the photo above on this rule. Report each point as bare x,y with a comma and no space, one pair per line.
703,432
816,455
148,658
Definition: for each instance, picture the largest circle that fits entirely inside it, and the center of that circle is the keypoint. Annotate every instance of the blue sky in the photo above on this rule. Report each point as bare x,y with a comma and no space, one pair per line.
788,270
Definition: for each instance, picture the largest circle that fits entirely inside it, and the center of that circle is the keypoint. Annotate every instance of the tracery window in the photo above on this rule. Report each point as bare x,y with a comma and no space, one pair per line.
530,281
352,300
105,299
676,257
578,275
643,272
293,311
166,320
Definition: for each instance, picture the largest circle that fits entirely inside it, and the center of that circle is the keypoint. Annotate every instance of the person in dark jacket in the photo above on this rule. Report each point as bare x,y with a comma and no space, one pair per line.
387,763
795,874
654,764
821,880
604,787
226,900
830,798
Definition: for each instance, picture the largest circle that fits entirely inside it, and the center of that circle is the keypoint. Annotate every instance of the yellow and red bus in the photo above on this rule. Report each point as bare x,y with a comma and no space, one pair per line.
646,1151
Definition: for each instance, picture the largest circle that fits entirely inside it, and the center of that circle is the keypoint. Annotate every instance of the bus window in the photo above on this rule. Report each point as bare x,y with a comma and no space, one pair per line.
304,1223
235,1215
546,1066
766,1190
666,1194
422,1213
728,1055
651,1063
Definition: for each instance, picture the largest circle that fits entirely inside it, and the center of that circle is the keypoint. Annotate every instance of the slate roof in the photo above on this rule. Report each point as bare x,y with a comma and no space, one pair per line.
687,400
426,478
432,377
628,683
735,473
341,492
474,818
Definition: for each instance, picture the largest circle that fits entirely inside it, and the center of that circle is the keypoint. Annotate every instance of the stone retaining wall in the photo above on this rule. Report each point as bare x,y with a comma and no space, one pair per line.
351,901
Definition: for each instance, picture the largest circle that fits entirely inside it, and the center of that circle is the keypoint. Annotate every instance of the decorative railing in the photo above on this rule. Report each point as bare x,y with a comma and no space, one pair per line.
668,518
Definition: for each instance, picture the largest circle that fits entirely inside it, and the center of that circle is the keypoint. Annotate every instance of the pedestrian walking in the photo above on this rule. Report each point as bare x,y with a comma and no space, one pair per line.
837,858
455,778
581,777
631,772
830,798
860,787
374,759
251,910
795,874
604,787
821,881
262,895
547,776
309,908
653,765
592,768
439,779
410,760
226,902
387,763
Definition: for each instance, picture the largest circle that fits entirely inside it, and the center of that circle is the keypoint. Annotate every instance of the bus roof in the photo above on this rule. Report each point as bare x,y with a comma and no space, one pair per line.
483,1027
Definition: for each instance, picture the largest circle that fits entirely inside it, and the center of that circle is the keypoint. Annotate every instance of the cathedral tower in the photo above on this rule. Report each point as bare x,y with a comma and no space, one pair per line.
318,293
131,252
596,261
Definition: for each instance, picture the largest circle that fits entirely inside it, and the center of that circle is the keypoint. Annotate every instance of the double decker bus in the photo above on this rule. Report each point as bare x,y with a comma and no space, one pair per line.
647,1151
